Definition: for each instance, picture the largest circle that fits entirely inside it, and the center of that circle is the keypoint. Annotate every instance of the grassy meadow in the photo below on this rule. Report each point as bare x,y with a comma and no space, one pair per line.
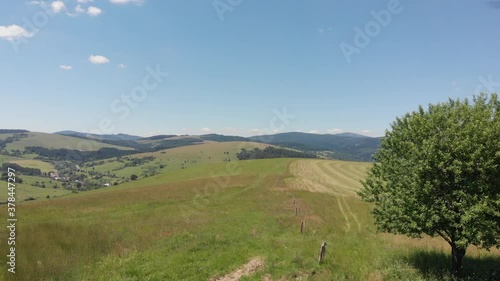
45,167
54,141
206,221
174,159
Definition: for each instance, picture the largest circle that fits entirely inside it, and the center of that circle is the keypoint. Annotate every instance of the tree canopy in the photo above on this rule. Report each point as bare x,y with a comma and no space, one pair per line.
438,173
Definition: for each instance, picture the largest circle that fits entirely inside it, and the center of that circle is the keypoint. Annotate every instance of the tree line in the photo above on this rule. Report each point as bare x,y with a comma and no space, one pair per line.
22,170
272,152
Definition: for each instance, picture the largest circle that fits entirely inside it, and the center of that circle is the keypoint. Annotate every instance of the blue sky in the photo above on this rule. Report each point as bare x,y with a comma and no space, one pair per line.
234,66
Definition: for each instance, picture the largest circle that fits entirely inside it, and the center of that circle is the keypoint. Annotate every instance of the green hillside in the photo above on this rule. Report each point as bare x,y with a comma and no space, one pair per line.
54,141
169,160
207,221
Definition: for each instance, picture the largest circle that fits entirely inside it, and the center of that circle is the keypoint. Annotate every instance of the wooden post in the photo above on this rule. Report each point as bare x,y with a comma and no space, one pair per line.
302,227
322,252
296,211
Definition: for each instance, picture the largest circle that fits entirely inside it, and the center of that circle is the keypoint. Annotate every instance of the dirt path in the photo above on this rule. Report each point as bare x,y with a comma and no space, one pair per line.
247,269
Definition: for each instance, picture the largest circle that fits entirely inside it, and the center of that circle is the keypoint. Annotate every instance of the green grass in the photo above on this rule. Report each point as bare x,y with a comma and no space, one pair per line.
54,141
31,163
26,190
194,225
177,159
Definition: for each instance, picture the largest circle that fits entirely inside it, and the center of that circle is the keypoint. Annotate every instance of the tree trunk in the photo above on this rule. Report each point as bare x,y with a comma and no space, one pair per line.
457,255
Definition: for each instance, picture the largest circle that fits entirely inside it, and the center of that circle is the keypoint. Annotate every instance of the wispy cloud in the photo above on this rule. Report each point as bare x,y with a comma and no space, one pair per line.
206,130
122,2
66,67
57,6
13,32
121,65
96,59
79,9
93,11
334,131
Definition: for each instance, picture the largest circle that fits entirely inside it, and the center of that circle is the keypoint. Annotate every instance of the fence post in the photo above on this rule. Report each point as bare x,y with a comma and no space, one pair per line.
322,252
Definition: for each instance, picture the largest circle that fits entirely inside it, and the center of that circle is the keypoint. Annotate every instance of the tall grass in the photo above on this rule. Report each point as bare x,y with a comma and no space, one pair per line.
140,233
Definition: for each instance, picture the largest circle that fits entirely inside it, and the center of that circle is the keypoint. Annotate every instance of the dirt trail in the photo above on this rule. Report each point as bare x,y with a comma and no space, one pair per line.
247,269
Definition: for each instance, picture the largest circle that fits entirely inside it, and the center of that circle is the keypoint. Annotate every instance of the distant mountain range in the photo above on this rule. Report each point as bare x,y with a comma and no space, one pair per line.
99,137
345,146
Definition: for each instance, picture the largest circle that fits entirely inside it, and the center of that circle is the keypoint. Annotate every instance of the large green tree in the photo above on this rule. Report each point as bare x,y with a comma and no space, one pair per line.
437,172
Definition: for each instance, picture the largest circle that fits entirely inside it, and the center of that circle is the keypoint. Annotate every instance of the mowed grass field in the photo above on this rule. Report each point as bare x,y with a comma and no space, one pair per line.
207,221
54,141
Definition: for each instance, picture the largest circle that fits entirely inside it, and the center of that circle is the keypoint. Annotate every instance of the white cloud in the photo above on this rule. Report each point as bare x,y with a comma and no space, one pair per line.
122,2
66,67
206,130
84,1
314,132
94,11
121,65
57,6
79,9
261,132
334,131
13,32
96,59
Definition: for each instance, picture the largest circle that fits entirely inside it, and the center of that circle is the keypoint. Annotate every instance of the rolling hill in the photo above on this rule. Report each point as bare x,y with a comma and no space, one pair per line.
98,137
55,141
346,146
207,222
